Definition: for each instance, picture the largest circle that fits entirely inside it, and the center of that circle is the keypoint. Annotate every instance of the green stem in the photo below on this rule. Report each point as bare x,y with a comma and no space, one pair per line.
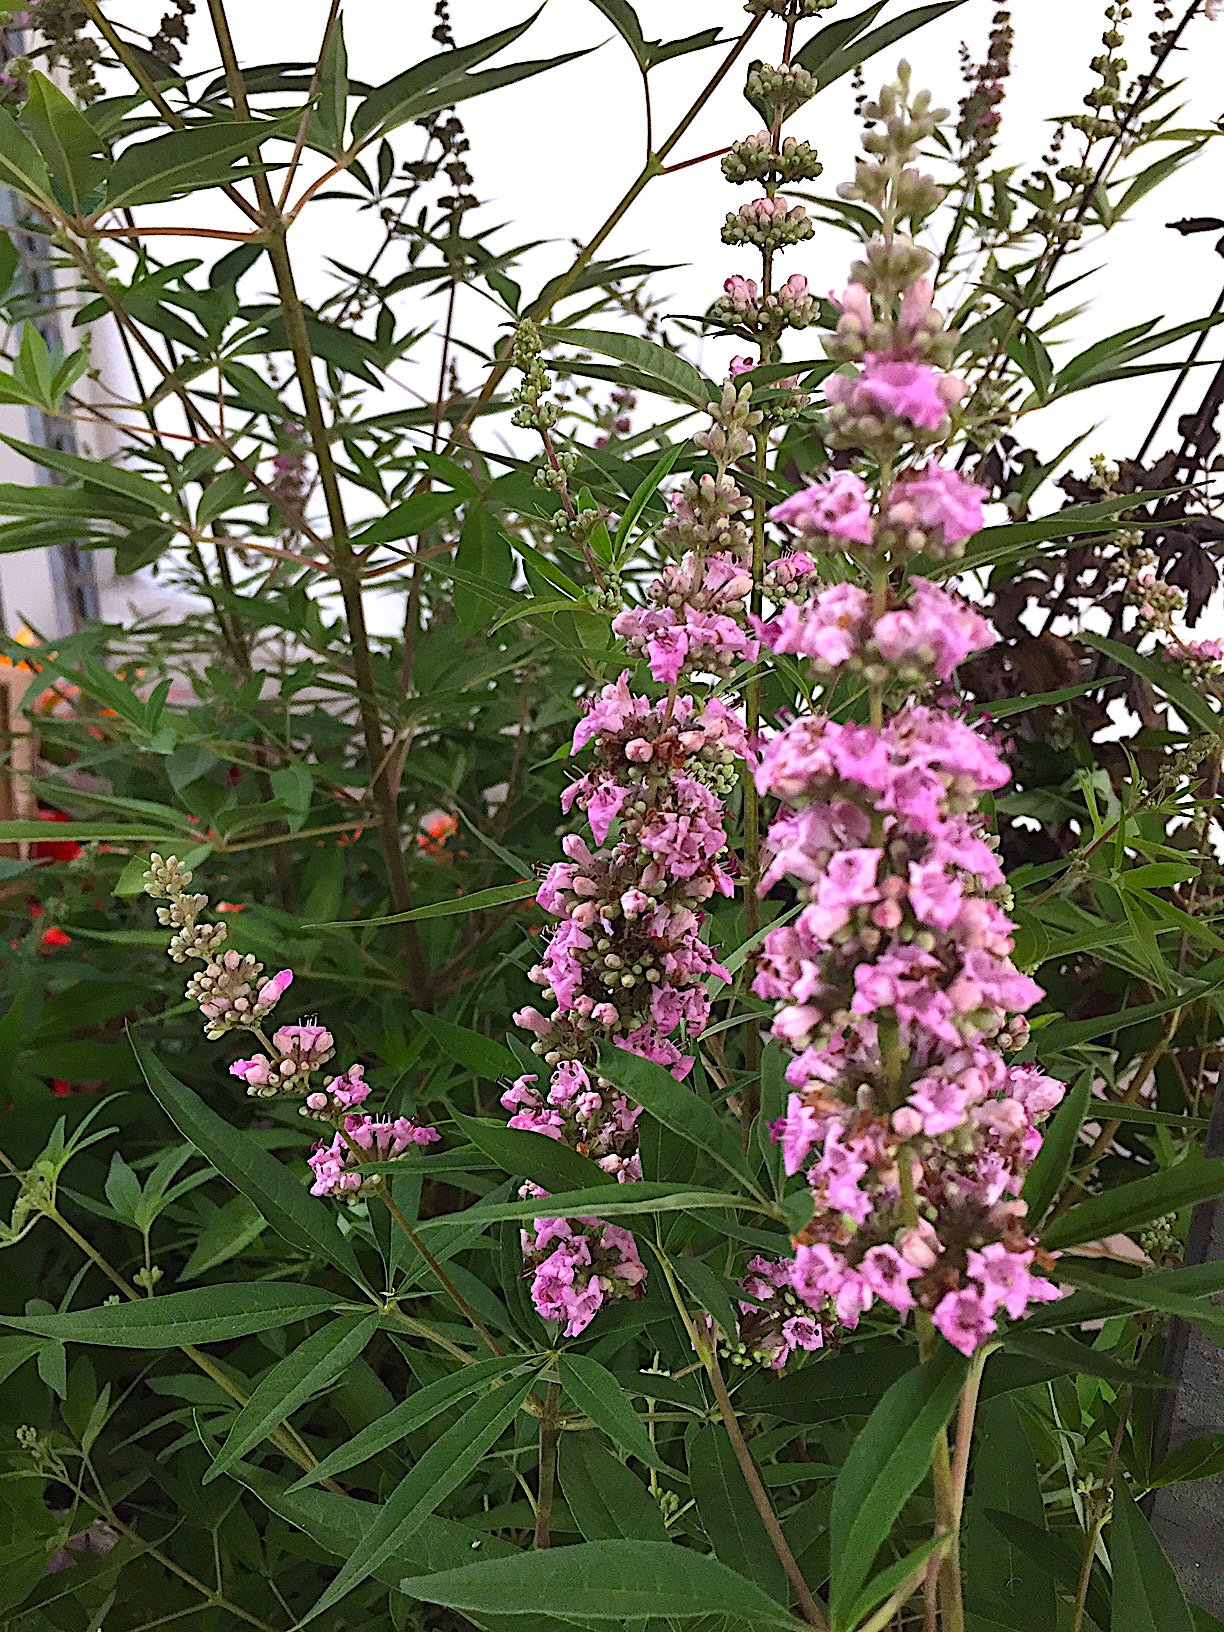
549,1433
444,1280
1099,1515
812,1613
344,566
285,1438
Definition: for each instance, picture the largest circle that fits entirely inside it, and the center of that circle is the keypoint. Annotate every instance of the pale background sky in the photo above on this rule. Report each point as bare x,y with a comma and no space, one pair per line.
551,155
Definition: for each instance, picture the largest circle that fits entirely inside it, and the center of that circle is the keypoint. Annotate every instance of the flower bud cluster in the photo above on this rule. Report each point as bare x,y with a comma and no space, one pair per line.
793,9
778,92
362,1140
930,511
697,621
866,325
898,124
534,411
755,158
626,961
921,642
769,223
741,310
233,994
774,1321
578,1265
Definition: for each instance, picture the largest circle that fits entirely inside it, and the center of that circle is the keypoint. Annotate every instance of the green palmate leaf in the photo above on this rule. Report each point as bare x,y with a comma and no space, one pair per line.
280,1198
886,1464
382,105
829,65
728,1514
500,895
670,375
606,1501
186,161
546,1162
442,1469
595,1391
305,1371
212,1314
1126,1206
603,1581
1049,1171
413,1413
73,150
1146,1595
676,1105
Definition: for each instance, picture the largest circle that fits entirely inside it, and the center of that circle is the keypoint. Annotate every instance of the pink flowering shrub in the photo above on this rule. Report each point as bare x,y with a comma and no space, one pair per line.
713,1017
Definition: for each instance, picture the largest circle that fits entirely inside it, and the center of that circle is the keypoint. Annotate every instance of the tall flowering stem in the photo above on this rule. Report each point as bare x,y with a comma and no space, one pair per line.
626,961
895,985
235,996
760,314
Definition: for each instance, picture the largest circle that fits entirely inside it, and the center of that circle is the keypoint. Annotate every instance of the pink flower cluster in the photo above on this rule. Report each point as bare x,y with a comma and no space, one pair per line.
927,638
894,982
363,1139
697,622
930,511
577,1266
626,961
774,1322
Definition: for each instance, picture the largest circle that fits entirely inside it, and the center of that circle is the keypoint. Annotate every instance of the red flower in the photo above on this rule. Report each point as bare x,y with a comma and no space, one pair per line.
56,937
54,849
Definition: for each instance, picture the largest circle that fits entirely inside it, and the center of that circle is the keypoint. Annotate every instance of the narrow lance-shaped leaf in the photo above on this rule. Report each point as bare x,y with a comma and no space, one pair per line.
381,107
211,1314
409,1415
306,1370
604,1581
442,1469
675,1104
594,1390
1126,1206
1146,1595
